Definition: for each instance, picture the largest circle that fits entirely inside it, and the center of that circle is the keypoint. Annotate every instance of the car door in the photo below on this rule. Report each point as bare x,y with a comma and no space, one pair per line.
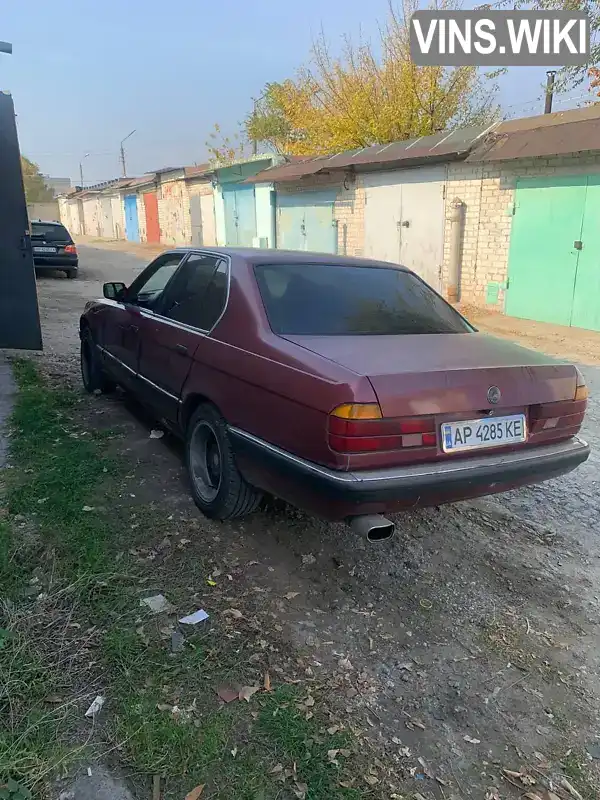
123,322
172,333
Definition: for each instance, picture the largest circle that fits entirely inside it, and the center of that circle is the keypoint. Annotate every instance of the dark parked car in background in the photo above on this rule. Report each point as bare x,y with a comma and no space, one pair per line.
53,248
347,387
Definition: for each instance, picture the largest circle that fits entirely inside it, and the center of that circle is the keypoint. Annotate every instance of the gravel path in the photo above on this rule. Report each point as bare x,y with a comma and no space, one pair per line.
478,619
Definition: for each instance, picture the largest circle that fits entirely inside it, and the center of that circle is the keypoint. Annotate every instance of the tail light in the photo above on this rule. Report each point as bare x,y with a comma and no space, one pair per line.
361,428
581,392
70,248
565,416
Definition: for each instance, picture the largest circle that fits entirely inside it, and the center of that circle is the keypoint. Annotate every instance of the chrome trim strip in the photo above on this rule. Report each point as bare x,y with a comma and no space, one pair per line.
145,312
118,360
159,388
421,471
343,477
139,375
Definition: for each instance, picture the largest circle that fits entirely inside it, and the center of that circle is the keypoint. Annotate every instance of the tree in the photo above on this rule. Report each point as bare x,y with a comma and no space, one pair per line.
222,149
594,75
369,95
568,76
36,190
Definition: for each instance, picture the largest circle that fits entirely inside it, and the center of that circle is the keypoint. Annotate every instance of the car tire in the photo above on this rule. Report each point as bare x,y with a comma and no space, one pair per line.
218,488
71,273
92,375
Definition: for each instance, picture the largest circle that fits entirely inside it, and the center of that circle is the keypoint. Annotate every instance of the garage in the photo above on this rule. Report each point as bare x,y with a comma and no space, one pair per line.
305,221
553,273
404,219
240,215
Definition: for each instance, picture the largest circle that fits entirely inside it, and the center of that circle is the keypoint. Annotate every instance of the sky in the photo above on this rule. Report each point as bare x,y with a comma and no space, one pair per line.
84,74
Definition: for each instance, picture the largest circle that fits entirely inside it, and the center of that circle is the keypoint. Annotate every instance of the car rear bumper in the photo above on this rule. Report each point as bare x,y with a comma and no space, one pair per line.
338,494
54,262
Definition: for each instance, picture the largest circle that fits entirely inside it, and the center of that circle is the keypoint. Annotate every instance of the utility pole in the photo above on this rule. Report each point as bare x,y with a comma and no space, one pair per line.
81,169
550,78
123,167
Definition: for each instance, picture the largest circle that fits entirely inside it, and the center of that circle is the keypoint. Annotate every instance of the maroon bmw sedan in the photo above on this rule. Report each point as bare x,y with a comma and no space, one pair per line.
347,387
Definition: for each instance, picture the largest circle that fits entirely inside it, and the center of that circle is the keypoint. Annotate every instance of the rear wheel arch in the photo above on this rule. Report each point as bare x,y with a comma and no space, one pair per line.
190,404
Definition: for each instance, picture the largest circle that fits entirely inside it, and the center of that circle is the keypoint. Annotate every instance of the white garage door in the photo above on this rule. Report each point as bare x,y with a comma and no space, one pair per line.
207,213
404,219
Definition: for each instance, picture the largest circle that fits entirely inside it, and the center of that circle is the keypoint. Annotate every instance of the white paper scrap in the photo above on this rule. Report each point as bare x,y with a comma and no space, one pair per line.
95,707
195,618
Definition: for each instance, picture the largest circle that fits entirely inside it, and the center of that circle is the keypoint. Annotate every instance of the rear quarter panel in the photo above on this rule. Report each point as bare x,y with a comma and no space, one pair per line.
267,386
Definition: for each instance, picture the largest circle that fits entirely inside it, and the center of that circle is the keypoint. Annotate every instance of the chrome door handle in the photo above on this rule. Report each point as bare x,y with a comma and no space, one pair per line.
181,348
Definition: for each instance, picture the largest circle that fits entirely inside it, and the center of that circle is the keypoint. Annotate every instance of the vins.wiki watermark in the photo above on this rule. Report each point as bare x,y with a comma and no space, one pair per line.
499,38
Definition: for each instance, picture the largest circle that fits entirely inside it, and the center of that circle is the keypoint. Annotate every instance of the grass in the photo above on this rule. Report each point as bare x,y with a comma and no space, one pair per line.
71,625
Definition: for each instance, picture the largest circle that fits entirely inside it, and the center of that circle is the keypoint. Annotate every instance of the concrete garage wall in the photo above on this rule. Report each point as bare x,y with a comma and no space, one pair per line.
91,216
70,216
265,222
46,211
203,188
488,192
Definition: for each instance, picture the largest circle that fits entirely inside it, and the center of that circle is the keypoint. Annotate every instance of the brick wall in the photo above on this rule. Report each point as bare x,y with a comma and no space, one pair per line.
174,212
488,192
118,215
348,208
199,187
141,212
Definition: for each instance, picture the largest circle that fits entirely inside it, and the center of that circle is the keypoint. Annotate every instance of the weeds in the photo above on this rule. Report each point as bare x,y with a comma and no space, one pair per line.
70,626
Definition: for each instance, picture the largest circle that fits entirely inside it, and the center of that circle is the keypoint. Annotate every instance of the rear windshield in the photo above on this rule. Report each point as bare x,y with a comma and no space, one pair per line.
51,233
331,300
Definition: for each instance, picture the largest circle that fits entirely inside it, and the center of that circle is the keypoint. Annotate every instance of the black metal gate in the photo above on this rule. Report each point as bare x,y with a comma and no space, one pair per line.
19,315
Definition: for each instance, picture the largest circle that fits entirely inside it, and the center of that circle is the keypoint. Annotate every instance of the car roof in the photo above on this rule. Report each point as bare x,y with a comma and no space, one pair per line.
46,222
257,255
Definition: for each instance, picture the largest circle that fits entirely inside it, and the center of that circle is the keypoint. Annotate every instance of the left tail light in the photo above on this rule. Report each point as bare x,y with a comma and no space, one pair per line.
70,248
361,428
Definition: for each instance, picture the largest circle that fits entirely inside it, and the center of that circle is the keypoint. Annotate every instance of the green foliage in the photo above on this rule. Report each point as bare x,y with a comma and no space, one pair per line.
36,190
568,76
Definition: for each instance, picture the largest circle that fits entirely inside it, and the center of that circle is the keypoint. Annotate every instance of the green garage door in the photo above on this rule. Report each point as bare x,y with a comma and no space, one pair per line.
305,221
586,298
554,257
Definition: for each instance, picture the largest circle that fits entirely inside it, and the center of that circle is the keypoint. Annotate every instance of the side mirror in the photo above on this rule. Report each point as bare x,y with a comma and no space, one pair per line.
114,290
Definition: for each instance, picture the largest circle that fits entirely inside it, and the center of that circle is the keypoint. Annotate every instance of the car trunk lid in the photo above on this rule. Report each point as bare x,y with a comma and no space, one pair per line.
447,373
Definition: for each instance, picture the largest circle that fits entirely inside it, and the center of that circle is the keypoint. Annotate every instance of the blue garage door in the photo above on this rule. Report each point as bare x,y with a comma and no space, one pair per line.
132,226
305,221
240,215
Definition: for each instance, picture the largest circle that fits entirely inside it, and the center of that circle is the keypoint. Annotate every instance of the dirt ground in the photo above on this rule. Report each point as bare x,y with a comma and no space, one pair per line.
465,646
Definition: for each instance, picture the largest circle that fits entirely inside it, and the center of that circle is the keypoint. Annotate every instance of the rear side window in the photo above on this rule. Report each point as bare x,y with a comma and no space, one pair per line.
332,300
199,291
51,233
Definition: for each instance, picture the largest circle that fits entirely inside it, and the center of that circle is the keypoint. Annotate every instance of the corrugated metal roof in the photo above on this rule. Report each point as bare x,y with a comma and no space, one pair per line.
439,147
135,182
547,120
198,171
574,131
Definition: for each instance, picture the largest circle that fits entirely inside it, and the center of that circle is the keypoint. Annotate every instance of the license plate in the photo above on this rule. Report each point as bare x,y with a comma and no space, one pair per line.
44,249
472,434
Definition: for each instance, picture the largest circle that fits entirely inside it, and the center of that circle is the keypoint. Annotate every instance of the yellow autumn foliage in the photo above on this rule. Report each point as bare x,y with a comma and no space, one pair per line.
367,96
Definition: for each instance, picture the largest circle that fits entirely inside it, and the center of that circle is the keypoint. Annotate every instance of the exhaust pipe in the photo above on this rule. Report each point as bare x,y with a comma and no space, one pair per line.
375,527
